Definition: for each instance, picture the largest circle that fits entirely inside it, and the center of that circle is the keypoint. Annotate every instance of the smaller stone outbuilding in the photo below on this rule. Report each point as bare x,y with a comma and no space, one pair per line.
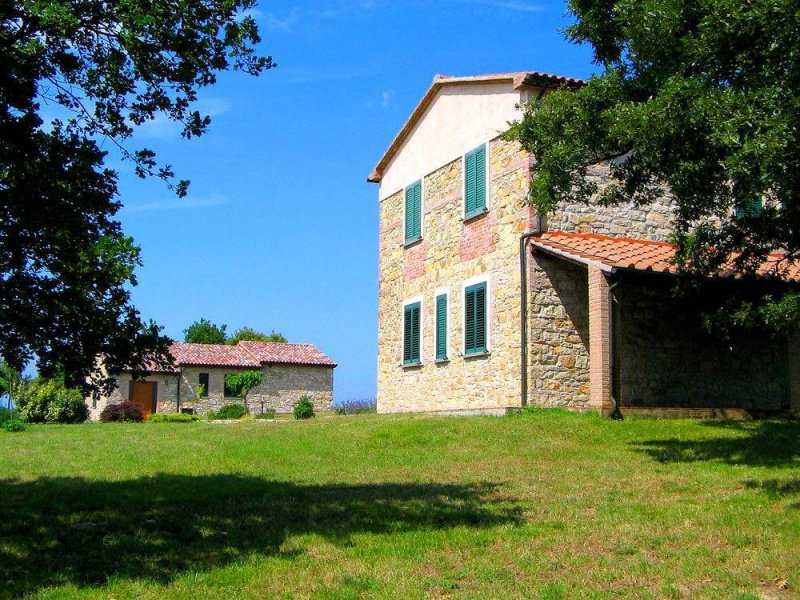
197,383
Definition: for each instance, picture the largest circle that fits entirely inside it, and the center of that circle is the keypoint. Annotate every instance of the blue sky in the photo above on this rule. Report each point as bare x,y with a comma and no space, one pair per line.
280,228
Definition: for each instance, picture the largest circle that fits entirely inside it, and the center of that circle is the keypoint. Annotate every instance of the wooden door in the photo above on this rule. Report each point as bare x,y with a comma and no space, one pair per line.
143,393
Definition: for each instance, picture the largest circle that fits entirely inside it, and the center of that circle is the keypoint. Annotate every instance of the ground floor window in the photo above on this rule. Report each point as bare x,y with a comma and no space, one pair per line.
411,333
229,393
475,319
441,327
203,382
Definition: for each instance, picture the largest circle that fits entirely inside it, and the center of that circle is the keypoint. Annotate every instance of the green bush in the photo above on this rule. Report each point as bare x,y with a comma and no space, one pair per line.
228,412
15,425
173,418
48,401
304,409
267,414
5,416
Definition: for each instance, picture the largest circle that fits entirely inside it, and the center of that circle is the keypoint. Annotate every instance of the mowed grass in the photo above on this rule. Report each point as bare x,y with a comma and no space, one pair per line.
543,505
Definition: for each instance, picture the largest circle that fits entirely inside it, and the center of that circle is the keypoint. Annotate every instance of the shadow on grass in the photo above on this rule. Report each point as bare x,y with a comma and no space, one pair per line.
751,443
82,531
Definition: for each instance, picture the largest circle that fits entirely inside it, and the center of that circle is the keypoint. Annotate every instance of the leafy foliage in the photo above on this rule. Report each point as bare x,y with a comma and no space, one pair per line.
48,401
15,425
65,265
205,332
228,412
241,383
268,414
5,415
123,411
699,98
248,334
357,407
304,408
173,418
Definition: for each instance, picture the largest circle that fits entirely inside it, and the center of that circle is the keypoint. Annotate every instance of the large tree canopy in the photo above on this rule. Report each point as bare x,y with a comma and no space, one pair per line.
699,98
65,265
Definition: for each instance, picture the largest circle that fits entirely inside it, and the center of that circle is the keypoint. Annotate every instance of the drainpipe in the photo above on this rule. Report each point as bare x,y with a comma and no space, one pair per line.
613,304
523,292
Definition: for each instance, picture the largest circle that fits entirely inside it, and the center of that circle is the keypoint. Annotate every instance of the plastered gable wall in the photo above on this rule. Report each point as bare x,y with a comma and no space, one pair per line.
282,387
451,254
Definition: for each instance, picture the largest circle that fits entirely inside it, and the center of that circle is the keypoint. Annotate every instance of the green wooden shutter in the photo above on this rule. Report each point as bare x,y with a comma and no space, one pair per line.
475,181
470,184
751,209
441,327
411,334
413,212
475,319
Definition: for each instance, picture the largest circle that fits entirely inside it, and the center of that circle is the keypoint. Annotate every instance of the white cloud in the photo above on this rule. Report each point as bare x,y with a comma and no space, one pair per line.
386,98
274,23
190,202
161,127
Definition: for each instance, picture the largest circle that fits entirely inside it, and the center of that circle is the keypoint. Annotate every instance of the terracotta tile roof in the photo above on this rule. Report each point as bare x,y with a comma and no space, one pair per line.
610,253
518,79
250,355
290,354
217,355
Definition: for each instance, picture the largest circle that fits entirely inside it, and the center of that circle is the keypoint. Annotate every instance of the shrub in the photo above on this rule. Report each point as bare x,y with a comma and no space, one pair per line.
48,401
5,416
15,425
173,418
357,407
267,414
304,409
228,412
124,411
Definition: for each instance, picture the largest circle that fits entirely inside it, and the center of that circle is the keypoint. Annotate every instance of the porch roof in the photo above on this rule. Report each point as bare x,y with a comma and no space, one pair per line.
613,253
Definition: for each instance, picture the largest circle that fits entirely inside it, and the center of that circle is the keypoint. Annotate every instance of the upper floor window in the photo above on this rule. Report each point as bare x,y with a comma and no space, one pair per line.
475,319
751,209
413,212
475,181
202,382
411,333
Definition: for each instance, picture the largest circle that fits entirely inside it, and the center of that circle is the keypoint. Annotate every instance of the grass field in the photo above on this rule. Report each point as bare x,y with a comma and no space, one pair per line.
544,505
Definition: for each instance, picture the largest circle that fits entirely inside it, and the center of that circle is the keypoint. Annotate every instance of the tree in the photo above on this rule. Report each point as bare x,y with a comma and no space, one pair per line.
65,266
205,332
241,383
248,334
698,98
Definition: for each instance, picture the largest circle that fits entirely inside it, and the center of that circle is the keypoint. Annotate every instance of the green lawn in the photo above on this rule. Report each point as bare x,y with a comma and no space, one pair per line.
545,505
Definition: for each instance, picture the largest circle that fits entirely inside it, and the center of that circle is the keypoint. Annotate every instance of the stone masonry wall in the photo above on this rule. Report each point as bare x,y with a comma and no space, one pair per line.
668,359
650,222
452,252
282,387
558,333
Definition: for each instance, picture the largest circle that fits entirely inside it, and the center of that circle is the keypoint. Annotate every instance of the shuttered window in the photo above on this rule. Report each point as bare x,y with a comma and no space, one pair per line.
475,182
413,212
411,334
441,327
475,319
202,381
751,209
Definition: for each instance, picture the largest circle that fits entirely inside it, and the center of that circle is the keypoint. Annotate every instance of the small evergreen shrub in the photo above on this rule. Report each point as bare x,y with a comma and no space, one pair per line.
124,411
15,425
228,412
267,414
48,401
304,409
173,418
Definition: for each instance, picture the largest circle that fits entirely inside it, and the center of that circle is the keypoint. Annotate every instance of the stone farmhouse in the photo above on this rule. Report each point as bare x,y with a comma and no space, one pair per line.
289,372
484,307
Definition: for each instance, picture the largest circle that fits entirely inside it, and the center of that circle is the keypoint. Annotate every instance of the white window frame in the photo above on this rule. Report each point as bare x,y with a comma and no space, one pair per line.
483,278
445,291
406,302
487,163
